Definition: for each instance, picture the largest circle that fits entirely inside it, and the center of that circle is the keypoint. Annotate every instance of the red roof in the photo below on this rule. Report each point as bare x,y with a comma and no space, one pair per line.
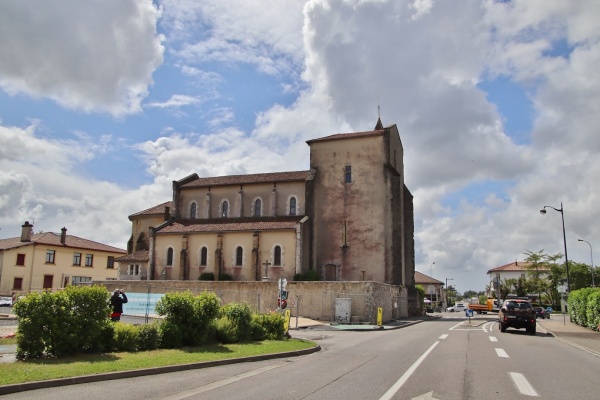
53,239
159,209
140,255
514,266
274,177
232,225
421,278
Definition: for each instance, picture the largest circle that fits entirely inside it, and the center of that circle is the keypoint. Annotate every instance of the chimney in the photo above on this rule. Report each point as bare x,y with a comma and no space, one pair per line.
167,215
63,235
26,231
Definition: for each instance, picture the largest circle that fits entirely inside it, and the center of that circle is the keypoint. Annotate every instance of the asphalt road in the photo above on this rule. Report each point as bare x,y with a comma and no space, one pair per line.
439,359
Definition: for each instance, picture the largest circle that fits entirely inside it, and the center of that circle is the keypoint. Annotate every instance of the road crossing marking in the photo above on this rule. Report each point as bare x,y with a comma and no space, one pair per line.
493,339
522,384
501,353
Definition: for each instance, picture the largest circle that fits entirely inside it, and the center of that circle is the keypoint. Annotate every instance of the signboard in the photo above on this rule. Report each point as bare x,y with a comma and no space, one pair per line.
468,313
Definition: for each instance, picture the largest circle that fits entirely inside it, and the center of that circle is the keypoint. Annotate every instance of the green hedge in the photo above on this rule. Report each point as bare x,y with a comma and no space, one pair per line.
584,307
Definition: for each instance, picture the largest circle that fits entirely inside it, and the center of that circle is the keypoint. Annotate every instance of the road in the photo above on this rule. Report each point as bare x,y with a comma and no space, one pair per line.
439,359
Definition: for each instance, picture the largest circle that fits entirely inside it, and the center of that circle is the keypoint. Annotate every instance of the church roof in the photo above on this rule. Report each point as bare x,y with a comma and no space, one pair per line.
140,255
274,177
339,136
232,224
159,209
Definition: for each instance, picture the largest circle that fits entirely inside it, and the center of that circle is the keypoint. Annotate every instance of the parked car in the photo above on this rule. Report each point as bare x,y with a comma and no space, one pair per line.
450,309
540,313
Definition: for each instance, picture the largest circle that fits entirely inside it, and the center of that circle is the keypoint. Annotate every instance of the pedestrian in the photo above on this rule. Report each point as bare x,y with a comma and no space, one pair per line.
117,300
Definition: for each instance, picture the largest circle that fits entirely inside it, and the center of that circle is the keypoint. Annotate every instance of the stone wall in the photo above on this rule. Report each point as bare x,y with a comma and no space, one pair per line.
315,300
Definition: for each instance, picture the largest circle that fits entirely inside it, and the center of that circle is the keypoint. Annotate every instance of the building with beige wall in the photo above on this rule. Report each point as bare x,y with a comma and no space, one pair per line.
348,218
52,261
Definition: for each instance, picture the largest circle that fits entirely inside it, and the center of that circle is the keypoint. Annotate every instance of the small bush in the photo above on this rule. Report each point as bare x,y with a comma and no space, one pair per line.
310,275
226,330
225,277
241,315
206,276
273,325
170,336
126,337
148,337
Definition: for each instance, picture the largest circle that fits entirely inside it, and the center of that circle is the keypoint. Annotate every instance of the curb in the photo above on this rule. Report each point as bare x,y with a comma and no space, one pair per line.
21,387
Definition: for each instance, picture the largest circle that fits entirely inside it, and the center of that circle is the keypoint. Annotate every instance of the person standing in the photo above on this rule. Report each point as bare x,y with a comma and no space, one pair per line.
117,300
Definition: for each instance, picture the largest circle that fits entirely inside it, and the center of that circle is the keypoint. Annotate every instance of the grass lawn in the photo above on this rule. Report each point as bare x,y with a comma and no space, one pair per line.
44,369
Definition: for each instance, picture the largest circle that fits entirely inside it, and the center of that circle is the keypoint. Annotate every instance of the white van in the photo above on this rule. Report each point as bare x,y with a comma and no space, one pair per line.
459,306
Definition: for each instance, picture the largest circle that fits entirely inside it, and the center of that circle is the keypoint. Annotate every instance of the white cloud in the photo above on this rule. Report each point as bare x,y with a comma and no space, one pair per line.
176,101
90,56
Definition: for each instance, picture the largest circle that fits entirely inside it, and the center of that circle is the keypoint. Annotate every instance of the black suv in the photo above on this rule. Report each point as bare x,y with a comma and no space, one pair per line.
517,313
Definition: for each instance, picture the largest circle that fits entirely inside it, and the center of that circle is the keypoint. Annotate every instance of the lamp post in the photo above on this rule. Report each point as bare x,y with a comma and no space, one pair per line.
592,257
447,279
562,214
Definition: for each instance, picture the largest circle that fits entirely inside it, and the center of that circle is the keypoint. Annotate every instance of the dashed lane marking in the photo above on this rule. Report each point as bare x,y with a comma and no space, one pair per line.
522,384
493,339
501,353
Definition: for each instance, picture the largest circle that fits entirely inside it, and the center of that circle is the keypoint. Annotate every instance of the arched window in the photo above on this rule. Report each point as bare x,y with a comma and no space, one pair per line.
203,256
193,210
292,206
170,256
225,209
257,207
277,255
239,256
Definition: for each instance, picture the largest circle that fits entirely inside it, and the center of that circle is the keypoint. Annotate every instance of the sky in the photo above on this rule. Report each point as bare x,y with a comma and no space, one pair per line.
104,103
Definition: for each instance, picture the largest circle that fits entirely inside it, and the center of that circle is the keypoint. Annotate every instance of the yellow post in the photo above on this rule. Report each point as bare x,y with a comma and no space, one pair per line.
380,316
286,324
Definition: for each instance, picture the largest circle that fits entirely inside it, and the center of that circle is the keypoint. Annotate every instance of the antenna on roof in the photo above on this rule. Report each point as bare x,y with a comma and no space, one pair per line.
378,108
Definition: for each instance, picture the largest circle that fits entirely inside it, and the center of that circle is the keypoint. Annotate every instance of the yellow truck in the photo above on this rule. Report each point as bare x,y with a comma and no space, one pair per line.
490,306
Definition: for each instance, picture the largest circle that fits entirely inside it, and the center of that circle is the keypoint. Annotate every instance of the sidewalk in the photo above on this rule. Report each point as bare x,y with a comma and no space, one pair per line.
573,334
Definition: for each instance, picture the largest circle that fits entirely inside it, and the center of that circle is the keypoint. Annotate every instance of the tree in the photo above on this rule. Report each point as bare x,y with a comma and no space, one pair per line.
470,293
580,275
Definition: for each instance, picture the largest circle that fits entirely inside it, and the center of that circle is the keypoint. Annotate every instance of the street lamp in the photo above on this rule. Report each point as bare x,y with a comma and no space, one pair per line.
562,214
592,257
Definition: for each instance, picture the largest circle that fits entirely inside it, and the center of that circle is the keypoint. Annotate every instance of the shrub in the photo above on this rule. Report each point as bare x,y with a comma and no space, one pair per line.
206,276
73,320
240,315
578,305
126,337
191,315
226,330
272,326
310,275
225,277
148,337
170,336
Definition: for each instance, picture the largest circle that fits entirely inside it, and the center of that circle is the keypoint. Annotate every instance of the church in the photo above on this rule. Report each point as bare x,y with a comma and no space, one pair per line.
349,217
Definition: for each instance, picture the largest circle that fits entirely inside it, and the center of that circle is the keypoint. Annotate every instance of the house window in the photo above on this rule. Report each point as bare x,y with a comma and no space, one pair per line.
21,259
170,256
193,211
239,256
225,209
257,207
89,260
77,259
50,256
80,279
293,206
134,269
48,281
110,262
203,257
18,284
277,256
348,174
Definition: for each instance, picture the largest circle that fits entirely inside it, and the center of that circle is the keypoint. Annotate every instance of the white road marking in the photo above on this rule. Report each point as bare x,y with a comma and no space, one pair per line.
501,353
192,392
392,391
493,339
522,384
444,336
455,326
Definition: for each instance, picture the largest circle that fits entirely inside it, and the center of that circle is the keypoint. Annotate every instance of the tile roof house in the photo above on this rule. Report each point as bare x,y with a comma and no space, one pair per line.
49,260
347,218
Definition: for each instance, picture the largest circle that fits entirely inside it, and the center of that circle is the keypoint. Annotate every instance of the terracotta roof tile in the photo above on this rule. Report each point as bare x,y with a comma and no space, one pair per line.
232,225
159,209
274,177
53,239
339,136
421,278
514,266
140,255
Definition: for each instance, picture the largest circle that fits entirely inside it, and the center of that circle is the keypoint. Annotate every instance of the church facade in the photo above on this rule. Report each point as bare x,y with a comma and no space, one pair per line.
349,217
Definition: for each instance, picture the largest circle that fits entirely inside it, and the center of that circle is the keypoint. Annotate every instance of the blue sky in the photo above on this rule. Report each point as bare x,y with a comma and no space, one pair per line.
103,104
